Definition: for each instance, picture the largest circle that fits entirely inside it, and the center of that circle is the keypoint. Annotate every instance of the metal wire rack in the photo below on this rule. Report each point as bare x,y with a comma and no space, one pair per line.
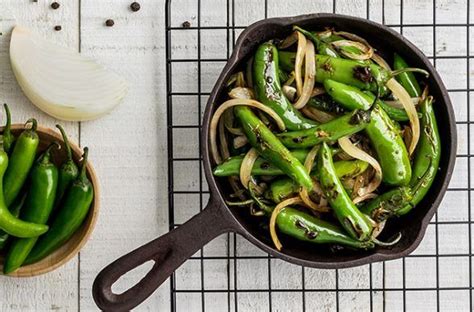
229,274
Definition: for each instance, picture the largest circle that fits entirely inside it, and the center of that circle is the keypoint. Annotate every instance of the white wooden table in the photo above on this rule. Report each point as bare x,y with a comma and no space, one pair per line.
129,151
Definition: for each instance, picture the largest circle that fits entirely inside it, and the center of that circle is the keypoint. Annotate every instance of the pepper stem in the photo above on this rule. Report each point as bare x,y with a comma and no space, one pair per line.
409,69
9,119
84,162
308,34
46,156
66,142
34,123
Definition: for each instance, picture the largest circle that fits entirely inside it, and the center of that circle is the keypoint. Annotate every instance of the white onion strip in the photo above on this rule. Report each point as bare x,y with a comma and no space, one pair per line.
317,115
231,103
246,167
367,51
223,140
365,197
308,164
289,41
398,104
300,54
309,77
352,150
318,91
273,218
380,61
400,93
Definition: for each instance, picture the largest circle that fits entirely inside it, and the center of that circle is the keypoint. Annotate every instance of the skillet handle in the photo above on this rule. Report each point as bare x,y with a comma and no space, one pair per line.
168,252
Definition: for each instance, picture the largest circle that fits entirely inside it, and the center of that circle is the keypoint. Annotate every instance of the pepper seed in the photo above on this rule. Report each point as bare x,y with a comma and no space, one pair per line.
109,23
58,28
55,5
135,6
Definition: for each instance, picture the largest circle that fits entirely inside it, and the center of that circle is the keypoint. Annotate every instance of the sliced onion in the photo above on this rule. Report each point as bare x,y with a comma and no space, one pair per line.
398,104
231,103
223,141
407,136
289,41
363,198
366,50
241,93
352,150
309,76
300,54
289,92
318,91
378,228
325,34
291,79
317,115
61,82
246,167
352,37
240,141
308,164
380,61
400,93
273,218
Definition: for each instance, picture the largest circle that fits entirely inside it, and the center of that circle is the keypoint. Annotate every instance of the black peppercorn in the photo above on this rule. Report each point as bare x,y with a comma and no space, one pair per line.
186,24
109,22
55,5
57,27
135,6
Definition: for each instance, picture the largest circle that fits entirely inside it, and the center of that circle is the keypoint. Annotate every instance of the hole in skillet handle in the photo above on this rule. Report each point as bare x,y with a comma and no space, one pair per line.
167,252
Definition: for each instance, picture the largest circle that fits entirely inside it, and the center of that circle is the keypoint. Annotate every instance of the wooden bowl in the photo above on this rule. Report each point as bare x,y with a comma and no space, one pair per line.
79,239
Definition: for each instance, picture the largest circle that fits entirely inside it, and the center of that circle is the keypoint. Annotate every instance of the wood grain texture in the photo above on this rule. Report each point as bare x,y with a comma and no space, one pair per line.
129,152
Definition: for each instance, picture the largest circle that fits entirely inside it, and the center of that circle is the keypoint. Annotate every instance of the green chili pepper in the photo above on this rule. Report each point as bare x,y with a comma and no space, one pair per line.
427,155
270,148
382,132
328,132
352,98
38,206
284,188
21,161
307,228
358,225
15,209
363,75
407,80
268,88
387,204
325,103
70,216
9,223
425,165
8,137
68,171
231,166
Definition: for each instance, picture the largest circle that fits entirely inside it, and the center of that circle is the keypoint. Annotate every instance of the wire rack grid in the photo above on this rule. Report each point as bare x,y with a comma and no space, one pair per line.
229,274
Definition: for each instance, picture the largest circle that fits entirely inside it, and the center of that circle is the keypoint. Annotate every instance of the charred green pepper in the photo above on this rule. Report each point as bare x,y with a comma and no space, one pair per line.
270,148
407,80
358,225
268,88
328,132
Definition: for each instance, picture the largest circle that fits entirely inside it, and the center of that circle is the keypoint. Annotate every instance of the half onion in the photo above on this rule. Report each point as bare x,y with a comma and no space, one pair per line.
61,82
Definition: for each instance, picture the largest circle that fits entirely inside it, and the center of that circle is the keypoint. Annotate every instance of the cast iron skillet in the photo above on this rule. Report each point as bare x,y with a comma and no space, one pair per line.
171,250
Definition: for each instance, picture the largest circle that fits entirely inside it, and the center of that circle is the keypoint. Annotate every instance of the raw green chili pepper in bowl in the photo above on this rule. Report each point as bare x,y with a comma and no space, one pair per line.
45,176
